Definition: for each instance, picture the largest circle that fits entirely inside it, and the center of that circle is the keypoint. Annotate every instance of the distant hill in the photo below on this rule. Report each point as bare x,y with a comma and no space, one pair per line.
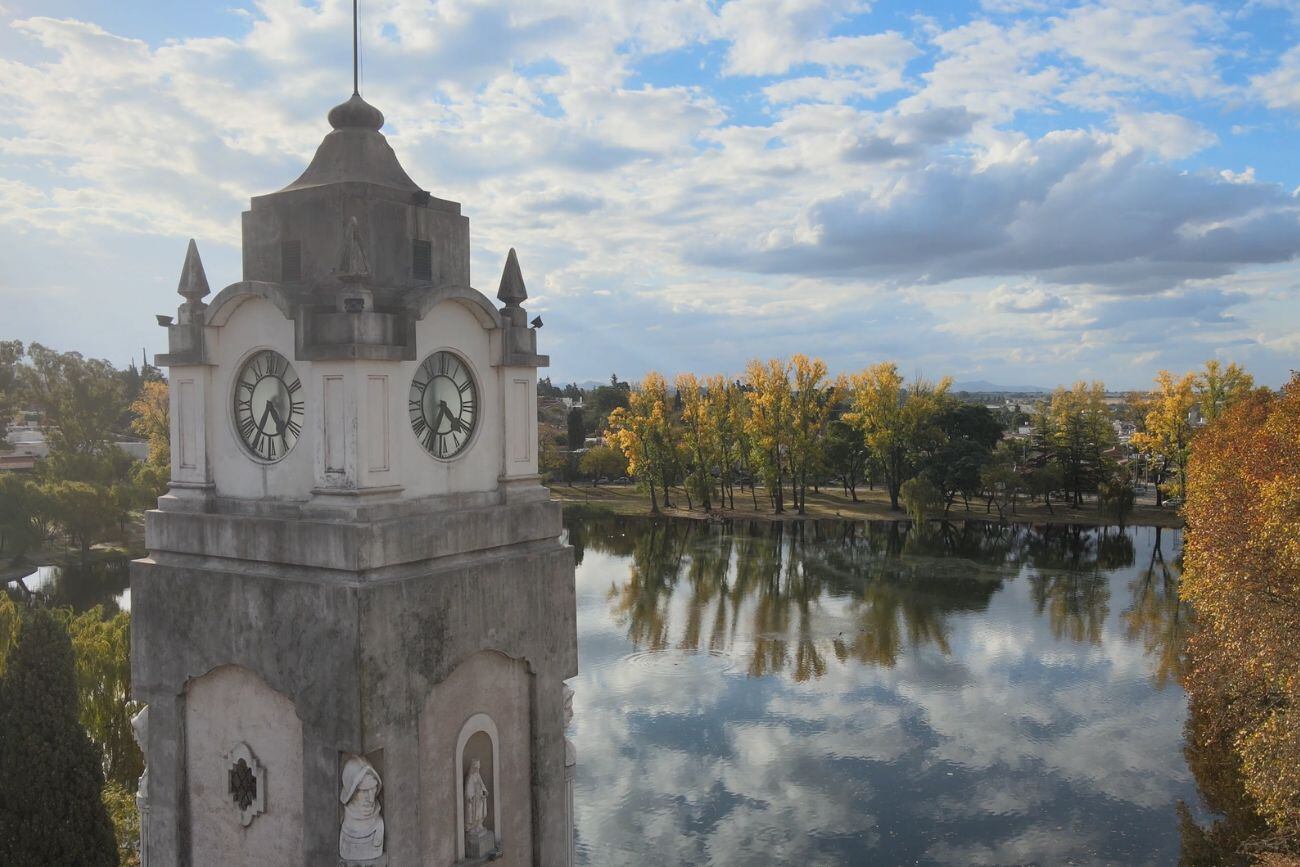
984,386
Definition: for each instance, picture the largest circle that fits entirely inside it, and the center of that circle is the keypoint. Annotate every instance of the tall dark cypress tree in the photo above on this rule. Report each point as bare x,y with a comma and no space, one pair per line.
50,774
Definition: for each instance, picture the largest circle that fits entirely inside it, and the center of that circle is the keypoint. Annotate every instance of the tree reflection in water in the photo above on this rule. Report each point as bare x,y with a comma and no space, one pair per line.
1158,617
784,598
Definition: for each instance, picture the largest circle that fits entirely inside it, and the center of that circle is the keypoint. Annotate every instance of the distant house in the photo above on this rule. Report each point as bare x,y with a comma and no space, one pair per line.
29,446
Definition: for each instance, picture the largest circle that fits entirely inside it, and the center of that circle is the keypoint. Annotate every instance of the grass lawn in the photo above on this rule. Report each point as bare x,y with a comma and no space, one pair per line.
874,505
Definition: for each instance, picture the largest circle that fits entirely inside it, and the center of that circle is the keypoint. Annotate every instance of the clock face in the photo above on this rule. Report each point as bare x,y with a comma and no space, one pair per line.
268,405
443,405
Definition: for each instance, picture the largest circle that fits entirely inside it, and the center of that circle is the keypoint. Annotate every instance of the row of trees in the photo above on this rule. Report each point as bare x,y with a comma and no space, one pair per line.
789,425
88,485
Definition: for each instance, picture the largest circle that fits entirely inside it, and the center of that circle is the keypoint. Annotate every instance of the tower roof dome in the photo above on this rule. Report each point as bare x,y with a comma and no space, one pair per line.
355,151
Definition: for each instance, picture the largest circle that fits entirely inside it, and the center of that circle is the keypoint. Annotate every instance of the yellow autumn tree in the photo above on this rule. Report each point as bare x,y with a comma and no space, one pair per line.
700,438
898,422
643,430
722,397
151,421
1242,577
769,425
1166,432
1218,387
812,398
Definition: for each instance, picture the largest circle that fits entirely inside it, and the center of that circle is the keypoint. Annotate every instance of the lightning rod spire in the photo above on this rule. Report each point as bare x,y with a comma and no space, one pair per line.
356,66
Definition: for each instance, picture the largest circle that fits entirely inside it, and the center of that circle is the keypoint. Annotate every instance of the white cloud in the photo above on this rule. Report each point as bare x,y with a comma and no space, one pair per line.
1168,136
1154,44
1280,86
756,170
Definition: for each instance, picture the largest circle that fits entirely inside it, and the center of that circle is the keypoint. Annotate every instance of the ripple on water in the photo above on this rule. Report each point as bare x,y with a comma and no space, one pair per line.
672,662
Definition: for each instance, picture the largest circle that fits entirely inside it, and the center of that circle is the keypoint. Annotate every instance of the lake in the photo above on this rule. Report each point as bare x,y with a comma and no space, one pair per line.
836,693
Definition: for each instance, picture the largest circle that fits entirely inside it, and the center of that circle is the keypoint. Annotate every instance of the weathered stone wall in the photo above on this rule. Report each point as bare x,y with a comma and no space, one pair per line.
230,705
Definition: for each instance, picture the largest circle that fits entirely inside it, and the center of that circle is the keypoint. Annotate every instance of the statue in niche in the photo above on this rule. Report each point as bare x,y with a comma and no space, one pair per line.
479,841
140,728
570,751
361,838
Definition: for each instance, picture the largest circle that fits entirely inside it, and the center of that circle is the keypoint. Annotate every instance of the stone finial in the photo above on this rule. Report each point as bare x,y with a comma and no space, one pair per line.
511,291
353,265
356,113
194,282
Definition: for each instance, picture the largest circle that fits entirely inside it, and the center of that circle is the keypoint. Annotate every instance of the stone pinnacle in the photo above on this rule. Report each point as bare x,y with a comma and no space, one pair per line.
194,282
511,291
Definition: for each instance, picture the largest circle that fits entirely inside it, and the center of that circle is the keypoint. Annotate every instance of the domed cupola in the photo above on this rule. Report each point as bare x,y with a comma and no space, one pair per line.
356,151
355,196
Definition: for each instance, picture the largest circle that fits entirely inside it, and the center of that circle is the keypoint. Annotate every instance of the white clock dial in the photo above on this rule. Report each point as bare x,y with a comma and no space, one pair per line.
443,405
268,405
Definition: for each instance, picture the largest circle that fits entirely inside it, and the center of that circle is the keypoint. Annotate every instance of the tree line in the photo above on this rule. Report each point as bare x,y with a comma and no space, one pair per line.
87,486
787,425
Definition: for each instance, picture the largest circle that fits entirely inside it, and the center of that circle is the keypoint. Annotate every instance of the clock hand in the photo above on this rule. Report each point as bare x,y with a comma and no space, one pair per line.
261,423
275,416
442,410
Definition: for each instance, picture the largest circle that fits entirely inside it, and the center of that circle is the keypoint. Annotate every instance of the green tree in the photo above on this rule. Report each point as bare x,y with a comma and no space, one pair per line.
847,456
81,400
922,498
970,432
603,461
1001,478
11,353
87,511
51,811
25,515
102,647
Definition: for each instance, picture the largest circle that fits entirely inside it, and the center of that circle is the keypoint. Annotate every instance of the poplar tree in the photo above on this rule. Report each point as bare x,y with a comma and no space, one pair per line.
1167,430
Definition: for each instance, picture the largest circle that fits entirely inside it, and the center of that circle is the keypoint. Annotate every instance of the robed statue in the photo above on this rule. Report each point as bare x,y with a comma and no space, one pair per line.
361,837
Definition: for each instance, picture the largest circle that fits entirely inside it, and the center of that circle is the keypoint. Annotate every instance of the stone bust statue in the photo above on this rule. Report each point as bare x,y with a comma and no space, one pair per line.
361,837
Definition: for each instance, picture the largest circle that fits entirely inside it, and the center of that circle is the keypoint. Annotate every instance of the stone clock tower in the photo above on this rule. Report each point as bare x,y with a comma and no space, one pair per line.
356,616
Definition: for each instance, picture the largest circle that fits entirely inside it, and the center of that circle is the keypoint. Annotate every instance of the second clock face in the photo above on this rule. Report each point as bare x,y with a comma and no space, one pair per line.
443,405
268,405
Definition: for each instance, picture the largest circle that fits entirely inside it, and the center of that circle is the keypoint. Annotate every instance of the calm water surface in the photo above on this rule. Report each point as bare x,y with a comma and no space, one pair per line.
858,694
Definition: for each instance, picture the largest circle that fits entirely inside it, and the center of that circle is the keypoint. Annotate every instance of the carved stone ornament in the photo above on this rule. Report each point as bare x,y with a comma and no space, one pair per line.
246,783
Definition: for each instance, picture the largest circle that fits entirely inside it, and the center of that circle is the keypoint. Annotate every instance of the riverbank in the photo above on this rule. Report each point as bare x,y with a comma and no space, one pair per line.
56,552
872,506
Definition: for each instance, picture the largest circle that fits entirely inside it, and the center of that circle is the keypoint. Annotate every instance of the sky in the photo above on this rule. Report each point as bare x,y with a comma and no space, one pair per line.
1019,191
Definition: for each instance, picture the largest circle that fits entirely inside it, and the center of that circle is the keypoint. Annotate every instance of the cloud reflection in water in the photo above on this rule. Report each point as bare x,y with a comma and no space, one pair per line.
835,693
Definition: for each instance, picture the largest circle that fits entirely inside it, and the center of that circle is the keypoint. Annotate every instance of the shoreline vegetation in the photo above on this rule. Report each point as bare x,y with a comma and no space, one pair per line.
872,505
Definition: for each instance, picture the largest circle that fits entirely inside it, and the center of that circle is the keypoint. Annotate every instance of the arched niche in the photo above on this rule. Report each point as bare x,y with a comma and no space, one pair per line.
486,692
478,740
243,770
